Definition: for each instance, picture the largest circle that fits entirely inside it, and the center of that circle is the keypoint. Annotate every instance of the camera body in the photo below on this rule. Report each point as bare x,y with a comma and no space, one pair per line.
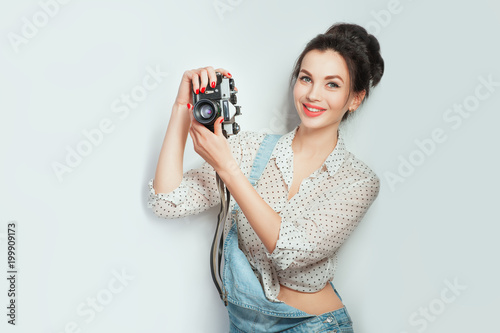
216,102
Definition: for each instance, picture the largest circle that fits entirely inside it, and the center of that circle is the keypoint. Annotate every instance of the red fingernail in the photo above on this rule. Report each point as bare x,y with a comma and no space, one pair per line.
203,90
197,91
189,106
229,74
221,120
212,84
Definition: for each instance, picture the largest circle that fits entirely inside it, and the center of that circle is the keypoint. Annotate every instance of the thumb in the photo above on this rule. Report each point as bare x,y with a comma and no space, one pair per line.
218,126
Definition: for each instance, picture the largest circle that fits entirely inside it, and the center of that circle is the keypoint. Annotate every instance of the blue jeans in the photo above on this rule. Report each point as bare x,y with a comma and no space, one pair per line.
248,308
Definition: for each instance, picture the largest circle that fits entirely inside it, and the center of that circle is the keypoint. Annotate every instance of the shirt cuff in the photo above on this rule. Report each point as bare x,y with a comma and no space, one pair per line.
176,196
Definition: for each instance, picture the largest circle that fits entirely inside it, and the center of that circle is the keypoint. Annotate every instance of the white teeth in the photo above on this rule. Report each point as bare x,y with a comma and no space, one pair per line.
313,110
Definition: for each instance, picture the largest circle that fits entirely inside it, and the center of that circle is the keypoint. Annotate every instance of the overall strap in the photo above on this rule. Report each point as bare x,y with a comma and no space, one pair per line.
216,260
263,155
259,163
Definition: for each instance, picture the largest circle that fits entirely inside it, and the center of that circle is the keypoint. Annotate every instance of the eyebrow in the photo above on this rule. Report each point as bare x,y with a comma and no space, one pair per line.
329,77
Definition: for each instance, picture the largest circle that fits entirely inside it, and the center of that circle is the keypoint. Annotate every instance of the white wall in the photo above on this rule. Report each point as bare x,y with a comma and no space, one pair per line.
435,227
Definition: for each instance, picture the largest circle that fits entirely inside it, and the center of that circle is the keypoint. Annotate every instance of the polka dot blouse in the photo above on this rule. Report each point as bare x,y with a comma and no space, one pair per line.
315,222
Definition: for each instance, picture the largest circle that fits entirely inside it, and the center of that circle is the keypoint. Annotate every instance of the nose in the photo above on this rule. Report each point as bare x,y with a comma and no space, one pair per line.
314,93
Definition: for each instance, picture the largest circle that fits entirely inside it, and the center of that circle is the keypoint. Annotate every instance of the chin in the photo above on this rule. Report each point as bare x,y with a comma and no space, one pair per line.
316,123
311,123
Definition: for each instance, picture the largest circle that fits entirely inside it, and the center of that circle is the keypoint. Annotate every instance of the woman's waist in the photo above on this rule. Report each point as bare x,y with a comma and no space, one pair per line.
315,303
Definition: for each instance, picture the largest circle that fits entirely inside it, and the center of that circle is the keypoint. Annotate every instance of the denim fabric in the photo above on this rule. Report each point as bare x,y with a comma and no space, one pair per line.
248,308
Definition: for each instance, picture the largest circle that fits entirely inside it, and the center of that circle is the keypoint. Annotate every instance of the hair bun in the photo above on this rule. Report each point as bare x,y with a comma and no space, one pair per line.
365,43
376,61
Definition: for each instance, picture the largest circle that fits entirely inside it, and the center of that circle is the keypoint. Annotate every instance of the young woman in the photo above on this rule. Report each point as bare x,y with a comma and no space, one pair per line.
295,198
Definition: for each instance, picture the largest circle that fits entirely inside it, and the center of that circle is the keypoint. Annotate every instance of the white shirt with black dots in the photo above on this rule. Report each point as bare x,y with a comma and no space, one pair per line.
314,223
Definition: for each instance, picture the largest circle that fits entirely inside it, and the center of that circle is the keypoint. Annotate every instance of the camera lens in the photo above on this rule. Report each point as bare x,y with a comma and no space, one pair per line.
206,111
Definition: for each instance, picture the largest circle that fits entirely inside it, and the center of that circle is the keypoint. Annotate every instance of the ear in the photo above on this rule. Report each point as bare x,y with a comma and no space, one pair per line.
356,101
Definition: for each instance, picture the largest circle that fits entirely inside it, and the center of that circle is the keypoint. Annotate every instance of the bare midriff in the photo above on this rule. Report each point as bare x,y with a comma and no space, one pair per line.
325,300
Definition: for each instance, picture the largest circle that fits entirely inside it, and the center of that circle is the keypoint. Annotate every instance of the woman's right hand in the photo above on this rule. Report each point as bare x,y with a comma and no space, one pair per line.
197,80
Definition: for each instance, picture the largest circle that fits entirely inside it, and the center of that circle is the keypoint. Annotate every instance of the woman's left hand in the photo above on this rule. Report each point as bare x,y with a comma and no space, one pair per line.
213,147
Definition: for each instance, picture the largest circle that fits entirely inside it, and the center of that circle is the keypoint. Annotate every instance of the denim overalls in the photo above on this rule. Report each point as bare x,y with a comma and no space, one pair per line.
248,308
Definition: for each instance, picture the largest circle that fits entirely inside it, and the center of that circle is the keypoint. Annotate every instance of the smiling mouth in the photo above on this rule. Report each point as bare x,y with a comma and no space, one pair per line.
311,109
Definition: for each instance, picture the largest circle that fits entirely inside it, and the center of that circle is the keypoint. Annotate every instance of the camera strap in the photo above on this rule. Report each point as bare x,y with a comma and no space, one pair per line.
216,259
218,241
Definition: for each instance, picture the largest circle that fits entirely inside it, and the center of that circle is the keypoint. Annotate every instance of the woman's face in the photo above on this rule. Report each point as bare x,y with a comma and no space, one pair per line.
322,89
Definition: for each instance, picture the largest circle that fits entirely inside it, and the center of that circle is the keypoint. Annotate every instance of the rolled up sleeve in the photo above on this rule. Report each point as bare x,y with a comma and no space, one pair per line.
320,230
196,193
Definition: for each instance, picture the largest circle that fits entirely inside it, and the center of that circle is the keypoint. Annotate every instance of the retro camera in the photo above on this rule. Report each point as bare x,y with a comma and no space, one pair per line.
216,102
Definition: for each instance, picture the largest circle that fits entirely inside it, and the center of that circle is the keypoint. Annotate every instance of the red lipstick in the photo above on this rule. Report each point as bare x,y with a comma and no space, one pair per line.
311,113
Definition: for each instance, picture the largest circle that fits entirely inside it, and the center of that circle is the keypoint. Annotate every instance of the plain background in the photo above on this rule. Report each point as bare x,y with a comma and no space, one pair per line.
435,227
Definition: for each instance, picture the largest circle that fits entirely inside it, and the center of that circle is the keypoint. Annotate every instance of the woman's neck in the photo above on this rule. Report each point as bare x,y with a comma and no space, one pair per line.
314,142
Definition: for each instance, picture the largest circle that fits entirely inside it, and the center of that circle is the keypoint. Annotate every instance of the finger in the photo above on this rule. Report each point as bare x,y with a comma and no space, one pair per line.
190,108
193,132
203,80
218,126
193,138
195,79
195,125
224,72
191,117
212,76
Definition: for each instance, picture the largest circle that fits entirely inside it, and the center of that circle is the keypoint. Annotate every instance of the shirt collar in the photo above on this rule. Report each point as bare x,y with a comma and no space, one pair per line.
283,154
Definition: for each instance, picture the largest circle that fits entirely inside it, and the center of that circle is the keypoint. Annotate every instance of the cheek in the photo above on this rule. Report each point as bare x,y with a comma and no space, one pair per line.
298,92
337,101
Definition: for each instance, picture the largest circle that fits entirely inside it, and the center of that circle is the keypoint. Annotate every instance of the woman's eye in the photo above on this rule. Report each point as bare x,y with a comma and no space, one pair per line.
305,79
333,85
